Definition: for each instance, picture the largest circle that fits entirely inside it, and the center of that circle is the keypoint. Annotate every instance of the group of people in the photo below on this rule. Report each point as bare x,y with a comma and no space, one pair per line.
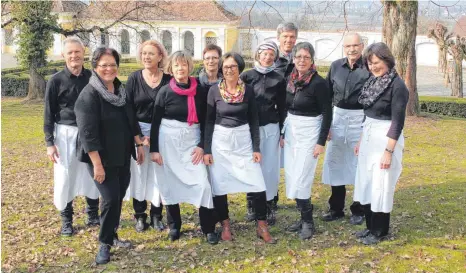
169,138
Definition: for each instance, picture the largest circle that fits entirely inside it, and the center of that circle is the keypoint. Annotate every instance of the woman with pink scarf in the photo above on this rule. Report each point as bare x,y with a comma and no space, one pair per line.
177,147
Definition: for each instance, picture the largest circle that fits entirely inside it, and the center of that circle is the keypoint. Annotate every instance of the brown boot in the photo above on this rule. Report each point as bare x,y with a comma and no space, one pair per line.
226,231
263,232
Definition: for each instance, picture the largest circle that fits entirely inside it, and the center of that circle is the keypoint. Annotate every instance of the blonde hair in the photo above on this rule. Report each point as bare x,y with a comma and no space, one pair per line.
179,55
160,48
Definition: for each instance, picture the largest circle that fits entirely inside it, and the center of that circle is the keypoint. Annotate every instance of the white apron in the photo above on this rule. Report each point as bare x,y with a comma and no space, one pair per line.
270,163
71,177
178,179
142,186
301,135
340,161
233,169
373,185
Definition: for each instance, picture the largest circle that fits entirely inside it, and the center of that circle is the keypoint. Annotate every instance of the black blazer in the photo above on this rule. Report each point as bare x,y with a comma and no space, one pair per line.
105,128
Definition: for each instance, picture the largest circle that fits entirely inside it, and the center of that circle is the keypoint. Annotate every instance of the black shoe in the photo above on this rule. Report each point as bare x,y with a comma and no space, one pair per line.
295,227
275,205
307,231
103,256
93,219
371,239
356,219
362,233
332,215
157,224
173,235
122,244
212,238
67,229
140,224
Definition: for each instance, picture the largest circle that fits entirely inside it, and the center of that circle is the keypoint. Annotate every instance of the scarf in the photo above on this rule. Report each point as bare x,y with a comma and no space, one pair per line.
190,92
296,83
204,79
374,88
117,100
232,98
265,46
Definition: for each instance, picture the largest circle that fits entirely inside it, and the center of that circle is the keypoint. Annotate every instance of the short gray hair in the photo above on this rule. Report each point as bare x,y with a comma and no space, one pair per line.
73,39
306,46
354,34
179,55
288,26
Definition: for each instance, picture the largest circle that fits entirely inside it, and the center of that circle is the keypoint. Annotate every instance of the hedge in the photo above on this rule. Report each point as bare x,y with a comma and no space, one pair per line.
454,107
15,86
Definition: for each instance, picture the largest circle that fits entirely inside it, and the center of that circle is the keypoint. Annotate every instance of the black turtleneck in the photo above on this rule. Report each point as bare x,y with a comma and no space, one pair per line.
170,105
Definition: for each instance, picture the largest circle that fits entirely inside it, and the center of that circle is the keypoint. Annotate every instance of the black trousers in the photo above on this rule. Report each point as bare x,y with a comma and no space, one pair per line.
377,222
112,190
141,206
206,218
92,209
337,201
259,202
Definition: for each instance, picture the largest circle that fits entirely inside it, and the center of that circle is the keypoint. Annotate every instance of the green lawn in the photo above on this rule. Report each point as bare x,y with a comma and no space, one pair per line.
428,222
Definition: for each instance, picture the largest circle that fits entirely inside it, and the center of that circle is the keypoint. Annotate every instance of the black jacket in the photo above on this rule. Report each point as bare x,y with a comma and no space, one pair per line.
105,128
270,92
284,67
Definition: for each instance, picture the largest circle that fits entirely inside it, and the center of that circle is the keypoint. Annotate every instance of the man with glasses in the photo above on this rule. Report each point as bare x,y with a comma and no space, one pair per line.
346,78
71,177
287,33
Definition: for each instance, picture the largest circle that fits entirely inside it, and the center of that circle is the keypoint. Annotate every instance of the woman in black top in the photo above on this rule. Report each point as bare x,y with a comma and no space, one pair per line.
380,149
210,74
269,89
232,142
142,88
108,132
177,147
305,132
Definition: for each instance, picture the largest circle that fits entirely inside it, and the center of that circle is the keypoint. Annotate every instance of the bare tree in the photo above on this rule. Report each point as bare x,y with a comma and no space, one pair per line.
441,36
457,49
399,33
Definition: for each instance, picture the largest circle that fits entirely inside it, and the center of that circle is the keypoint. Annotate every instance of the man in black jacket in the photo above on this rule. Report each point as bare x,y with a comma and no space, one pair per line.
287,34
346,78
70,176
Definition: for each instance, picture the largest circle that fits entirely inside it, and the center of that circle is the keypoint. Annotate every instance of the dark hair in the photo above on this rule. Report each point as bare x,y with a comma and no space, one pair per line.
210,47
381,51
237,57
101,51
306,46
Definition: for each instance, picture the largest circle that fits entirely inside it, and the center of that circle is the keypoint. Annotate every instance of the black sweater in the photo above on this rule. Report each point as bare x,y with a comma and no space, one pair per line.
61,93
170,105
311,101
391,106
231,115
270,92
142,96
105,128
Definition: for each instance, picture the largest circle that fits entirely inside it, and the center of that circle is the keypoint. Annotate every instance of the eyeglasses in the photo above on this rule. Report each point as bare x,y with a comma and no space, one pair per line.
211,58
105,66
302,58
231,67
355,45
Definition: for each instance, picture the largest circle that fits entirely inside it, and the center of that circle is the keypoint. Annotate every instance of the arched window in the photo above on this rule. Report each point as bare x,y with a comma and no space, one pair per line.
8,36
124,40
365,40
167,40
189,42
145,35
210,38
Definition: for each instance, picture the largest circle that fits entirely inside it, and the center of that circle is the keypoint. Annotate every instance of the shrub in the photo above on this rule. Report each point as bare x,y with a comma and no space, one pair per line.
453,107
16,86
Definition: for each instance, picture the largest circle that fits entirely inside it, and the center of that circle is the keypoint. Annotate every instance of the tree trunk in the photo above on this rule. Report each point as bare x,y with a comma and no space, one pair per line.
441,64
36,89
399,33
457,86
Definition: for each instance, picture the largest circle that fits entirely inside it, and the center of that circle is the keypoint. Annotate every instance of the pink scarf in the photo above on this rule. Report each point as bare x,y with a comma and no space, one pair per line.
190,92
